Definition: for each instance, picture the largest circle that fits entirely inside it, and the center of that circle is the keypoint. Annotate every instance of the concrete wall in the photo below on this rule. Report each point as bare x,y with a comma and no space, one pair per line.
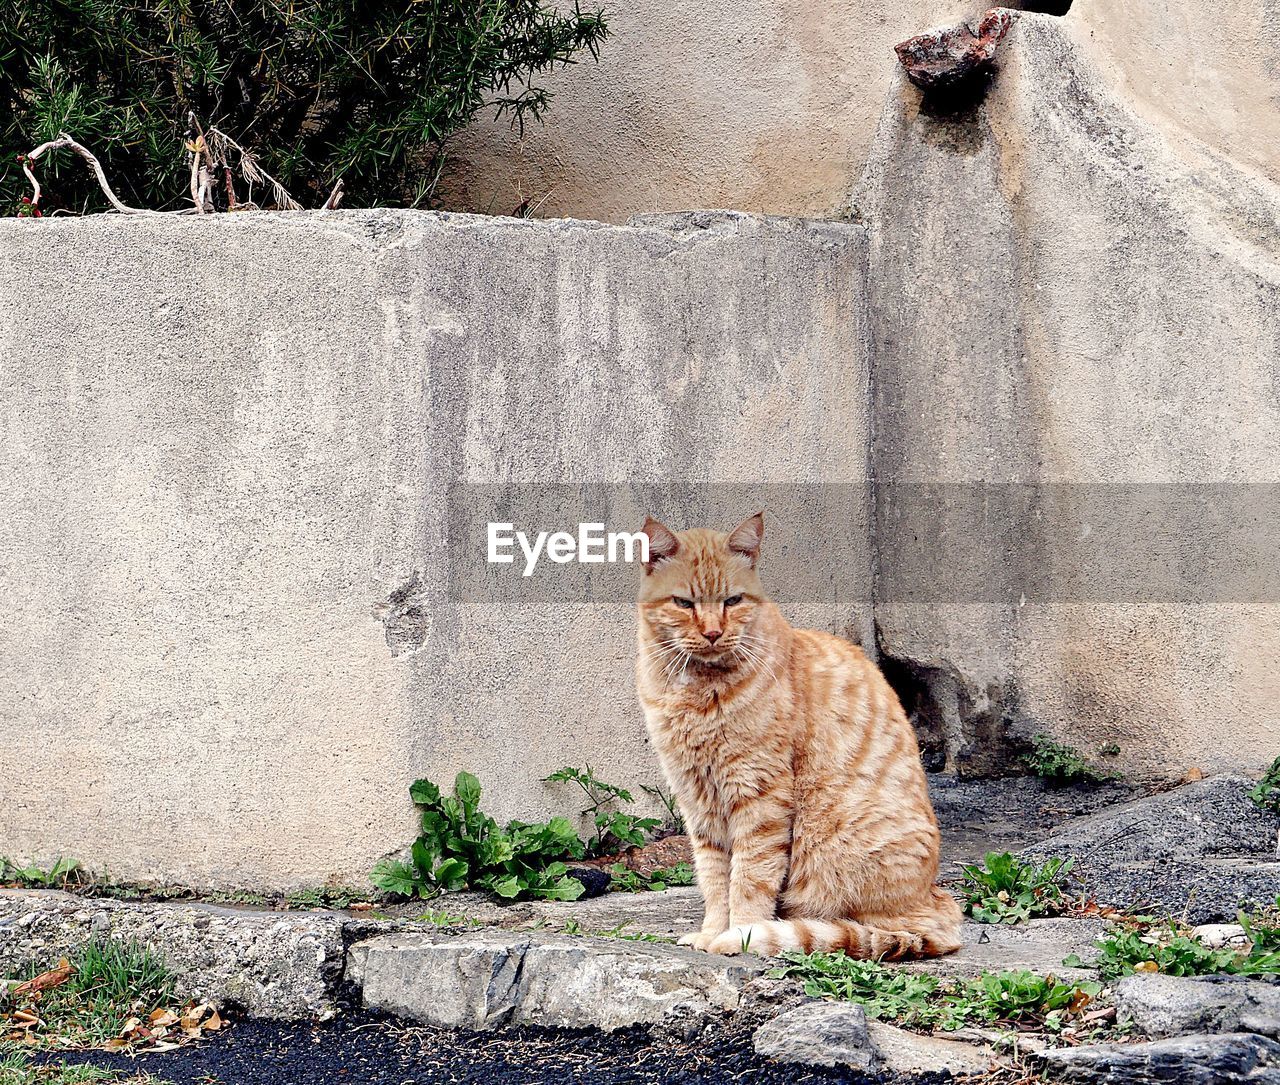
1076,329
764,105
231,624
771,105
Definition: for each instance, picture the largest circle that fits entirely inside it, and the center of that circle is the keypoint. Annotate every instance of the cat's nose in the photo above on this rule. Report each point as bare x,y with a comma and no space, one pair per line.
712,635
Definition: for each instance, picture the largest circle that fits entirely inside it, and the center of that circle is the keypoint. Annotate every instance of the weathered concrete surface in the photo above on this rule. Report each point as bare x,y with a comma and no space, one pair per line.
234,623
1198,851
667,119
1227,1059
1174,1005
765,105
904,1052
1075,314
1039,946
1206,69
488,978
275,965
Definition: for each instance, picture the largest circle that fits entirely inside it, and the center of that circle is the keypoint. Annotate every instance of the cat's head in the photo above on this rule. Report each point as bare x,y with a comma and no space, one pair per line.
700,590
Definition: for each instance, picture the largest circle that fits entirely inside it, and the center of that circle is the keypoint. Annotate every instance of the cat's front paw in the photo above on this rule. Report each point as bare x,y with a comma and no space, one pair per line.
735,940
698,940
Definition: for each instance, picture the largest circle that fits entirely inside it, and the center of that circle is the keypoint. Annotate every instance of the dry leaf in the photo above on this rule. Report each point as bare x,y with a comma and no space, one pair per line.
55,977
214,1023
163,1018
1079,1000
1146,966
362,906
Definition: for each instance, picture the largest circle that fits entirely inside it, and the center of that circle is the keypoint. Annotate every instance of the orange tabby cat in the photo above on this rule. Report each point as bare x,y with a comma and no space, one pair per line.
793,763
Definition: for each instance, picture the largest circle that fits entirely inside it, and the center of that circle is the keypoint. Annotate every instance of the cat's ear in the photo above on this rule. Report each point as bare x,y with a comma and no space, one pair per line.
663,543
745,538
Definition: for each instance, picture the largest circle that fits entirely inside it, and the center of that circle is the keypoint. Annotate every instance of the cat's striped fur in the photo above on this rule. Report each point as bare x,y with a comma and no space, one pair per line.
794,765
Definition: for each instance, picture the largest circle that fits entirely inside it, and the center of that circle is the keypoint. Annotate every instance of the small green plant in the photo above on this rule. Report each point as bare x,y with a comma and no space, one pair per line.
1263,929
64,874
1006,890
1170,949
632,881
461,847
1266,796
925,1002
1061,765
321,897
676,819
615,829
573,927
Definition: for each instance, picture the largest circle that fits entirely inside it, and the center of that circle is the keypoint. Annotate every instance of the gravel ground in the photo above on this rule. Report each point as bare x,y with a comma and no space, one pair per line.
377,1051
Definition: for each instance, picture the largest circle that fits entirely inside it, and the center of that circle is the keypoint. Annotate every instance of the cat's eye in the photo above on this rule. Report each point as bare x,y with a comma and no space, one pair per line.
684,604
733,600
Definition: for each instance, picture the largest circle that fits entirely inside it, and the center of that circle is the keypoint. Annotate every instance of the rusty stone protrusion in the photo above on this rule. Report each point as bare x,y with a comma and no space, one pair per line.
944,58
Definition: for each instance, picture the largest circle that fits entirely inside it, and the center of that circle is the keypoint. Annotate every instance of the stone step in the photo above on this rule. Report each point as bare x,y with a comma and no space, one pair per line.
490,978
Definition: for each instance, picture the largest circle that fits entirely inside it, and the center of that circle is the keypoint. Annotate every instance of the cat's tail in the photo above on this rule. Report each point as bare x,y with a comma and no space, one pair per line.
930,931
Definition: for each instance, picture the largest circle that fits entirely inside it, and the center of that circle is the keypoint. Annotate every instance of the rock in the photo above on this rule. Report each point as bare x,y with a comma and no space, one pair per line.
489,978
1200,850
1176,1005
1217,935
268,964
948,56
1228,1059
906,1052
818,1034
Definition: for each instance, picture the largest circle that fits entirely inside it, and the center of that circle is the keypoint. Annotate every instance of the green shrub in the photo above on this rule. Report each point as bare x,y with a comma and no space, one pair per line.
1061,765
1266,796
461,847
1005,890
319,89
615,829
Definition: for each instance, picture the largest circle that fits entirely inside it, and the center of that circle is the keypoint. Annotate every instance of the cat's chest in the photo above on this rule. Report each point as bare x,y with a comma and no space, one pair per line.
710,748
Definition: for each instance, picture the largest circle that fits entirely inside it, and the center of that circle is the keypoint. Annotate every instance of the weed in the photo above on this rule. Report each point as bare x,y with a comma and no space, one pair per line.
1061,765
615,829
62,875
446,919
96,994
632,881
620,931
676,819
1006,890
1266,796
460,847
1263,928
573,927
929,1002
1170,949
323,897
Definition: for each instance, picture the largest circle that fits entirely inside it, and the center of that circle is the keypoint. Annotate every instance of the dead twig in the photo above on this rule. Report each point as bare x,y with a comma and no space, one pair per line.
335,197
65,142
